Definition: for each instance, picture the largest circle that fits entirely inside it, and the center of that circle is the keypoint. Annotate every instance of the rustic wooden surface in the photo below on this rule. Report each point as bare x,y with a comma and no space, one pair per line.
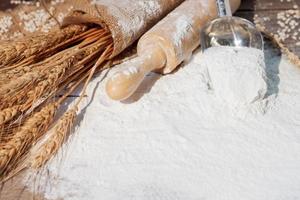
15,190
267,14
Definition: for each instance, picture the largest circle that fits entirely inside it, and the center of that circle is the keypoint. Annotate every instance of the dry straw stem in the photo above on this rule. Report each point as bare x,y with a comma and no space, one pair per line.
12,52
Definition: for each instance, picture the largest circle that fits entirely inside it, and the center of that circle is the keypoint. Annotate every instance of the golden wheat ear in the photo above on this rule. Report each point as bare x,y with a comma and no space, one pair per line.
30,48
23,139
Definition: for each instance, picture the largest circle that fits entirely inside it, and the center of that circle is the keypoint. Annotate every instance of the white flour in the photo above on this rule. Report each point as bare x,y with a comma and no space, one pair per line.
183,26
178,142
237,76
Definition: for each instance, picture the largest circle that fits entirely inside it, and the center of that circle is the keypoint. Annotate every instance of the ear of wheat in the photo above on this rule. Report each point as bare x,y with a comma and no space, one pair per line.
33,71
30,48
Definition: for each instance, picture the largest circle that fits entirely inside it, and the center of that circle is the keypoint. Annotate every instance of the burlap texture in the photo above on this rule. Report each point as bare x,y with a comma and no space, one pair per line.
126,19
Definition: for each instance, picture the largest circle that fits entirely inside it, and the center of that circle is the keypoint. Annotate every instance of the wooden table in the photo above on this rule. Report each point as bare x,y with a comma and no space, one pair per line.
279,17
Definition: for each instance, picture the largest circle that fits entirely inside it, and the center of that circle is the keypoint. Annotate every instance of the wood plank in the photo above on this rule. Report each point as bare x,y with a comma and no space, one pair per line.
280,26
257,5
276,4
5,5
246,14
247,5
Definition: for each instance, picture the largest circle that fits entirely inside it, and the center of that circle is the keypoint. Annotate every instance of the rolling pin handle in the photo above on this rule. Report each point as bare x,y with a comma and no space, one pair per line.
125,82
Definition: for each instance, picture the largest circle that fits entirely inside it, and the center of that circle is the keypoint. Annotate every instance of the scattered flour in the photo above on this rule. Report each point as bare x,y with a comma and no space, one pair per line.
183,26
178,142
236,75
37,20
5,24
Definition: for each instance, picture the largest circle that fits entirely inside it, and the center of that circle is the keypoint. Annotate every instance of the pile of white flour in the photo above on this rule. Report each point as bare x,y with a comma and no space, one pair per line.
237,76
178,141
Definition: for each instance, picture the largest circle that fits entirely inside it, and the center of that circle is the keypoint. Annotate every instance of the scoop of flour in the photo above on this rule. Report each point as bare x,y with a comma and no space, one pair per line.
237,75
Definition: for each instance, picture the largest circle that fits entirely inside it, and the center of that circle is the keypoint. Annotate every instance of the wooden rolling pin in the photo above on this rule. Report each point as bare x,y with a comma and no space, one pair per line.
165,46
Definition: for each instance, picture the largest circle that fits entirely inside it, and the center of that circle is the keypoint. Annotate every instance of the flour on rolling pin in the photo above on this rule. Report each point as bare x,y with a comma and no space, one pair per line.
130,67
127,69
183,26
237,75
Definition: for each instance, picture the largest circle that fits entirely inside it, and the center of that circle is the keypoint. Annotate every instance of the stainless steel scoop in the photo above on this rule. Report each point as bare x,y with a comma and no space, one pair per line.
230,31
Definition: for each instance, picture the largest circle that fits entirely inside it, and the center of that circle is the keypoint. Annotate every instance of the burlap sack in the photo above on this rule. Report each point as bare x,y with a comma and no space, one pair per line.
126,19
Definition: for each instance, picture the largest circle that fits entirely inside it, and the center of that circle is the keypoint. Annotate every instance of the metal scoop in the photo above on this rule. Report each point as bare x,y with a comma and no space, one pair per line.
230,31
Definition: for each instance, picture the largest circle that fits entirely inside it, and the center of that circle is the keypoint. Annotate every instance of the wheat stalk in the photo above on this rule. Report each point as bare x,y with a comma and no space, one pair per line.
55,141
23,139
62,130
62,50
17,85
33,46
20,163
39,83
43,88
46,80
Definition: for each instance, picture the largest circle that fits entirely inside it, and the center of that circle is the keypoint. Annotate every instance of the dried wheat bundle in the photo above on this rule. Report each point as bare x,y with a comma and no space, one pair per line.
33,71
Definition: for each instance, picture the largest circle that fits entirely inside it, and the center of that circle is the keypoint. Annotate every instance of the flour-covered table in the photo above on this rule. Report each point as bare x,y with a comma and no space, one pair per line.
175,140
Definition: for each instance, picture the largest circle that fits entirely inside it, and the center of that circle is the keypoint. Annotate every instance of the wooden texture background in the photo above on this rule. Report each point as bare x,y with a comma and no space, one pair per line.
267,12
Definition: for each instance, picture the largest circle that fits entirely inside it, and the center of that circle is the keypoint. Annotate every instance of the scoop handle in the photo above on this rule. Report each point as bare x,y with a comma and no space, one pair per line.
224,8
123,83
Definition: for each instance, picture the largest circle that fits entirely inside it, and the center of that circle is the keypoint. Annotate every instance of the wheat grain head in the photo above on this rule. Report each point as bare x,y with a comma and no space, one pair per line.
35,126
